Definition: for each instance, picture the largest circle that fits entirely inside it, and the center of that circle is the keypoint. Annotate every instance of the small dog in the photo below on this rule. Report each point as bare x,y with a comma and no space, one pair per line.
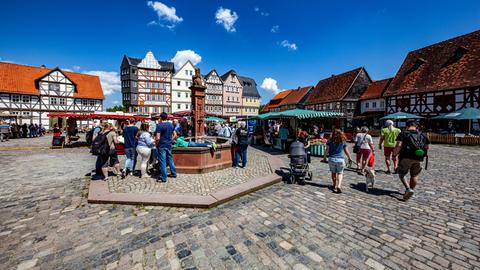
369,178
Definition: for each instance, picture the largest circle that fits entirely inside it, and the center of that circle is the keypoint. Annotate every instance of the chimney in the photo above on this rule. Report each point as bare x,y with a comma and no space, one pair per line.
43,66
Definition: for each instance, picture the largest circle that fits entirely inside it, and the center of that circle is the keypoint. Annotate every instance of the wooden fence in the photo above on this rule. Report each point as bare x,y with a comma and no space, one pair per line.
451,139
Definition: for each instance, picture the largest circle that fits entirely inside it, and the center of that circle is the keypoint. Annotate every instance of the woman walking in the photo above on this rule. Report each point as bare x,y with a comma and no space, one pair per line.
364,144
336,146
144,147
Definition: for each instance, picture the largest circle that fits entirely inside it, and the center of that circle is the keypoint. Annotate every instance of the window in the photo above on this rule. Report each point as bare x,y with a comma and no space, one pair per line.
26,99
26,113
62,101
178,83
186,72
134,84
53,101
367,104
186,106
191,72
186,95
382,104
179,106
54,87
15,98
179,94
374,104
84,102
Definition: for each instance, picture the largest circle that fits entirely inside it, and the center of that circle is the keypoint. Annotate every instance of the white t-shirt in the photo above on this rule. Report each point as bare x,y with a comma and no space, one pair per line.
363,140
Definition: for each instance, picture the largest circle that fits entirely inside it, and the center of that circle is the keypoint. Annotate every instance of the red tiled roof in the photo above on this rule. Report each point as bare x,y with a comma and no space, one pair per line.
333,88
450,64
295,96
15,78
376,89
265,108
275,101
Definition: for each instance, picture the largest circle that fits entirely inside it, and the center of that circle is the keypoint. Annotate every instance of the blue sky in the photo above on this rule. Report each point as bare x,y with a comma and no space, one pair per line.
310,40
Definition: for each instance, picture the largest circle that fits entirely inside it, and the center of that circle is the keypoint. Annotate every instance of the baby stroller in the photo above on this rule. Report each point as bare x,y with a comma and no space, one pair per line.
299,168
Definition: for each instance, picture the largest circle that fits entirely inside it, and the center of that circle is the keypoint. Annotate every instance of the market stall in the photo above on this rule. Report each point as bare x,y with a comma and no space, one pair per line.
293,118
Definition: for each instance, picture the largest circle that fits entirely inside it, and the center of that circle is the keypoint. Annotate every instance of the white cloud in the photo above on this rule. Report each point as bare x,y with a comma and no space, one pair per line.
290,46
270,84
227,18
263,13
110,80
181,57
164,13
76,68
275,29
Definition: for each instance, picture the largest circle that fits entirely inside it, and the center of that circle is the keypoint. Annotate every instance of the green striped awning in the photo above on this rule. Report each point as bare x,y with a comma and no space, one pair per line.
301,114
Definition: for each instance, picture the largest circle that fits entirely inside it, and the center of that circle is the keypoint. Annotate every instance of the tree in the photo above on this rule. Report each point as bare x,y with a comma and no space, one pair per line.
117,108
260,109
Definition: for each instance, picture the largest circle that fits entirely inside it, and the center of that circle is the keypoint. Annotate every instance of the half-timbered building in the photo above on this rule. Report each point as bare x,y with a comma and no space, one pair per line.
440,78
340,93
146,84
181,93
232,94
250,96
296,99
274,104
33,92
213,93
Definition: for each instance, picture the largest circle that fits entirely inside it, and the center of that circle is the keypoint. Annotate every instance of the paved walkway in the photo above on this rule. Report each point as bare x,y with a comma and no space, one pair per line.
46,222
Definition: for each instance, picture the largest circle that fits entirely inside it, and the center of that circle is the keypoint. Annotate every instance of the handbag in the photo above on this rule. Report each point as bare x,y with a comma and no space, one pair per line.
356,147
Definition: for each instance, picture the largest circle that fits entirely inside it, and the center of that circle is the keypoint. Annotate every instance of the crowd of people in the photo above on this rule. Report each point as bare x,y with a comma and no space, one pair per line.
13,130
152,145
405,149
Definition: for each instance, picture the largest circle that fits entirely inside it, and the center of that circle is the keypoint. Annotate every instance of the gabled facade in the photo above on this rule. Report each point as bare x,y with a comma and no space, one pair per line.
250,96
440,78
146,84
340,93
372,104
232,94
296,98
181,93
33,92
213,93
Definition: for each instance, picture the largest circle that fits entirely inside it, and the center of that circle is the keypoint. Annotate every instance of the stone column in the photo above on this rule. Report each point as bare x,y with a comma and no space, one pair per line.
198,110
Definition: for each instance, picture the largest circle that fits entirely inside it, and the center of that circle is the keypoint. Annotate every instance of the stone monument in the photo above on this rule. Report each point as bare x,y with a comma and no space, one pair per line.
198,105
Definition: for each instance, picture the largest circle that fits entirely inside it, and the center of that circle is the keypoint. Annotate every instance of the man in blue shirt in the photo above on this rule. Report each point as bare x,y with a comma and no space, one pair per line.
130,141
164,139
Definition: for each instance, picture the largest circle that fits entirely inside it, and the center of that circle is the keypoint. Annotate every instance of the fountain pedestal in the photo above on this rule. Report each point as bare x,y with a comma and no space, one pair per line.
198,110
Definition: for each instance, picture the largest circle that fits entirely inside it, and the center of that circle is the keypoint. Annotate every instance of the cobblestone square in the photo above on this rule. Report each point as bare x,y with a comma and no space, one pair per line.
46,222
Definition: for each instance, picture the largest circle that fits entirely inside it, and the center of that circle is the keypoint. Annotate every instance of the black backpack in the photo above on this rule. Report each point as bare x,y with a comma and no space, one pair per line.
418,144
100,145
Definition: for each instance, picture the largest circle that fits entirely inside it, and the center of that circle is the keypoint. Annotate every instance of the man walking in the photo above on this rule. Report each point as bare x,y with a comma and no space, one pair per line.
164,139
242,145
412,147
130,136
283,134
388,137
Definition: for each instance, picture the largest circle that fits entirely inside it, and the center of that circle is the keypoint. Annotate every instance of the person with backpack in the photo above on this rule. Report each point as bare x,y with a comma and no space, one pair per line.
388,137
104,148
411,149
130,136
241,145
363,147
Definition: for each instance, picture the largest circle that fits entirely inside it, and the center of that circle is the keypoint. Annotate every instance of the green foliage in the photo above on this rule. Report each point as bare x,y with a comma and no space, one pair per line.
117,108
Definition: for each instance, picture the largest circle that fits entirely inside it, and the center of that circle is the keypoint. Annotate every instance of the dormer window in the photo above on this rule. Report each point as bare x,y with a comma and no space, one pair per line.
416,65
460,52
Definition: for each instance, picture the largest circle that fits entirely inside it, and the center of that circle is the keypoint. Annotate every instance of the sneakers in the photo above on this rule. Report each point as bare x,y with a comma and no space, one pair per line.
408,194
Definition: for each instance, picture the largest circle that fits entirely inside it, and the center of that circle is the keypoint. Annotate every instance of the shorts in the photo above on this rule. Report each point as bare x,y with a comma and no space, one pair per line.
409,165
112,157
363,153
388,151
336,166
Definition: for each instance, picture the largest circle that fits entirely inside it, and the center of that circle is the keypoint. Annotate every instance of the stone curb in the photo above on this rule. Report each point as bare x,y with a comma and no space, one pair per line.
98,192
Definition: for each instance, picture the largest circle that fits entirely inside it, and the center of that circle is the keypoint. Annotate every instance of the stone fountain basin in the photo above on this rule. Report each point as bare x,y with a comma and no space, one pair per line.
193,160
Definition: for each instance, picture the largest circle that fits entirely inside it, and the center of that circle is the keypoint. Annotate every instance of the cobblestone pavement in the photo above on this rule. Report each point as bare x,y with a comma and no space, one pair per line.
46,222
198,184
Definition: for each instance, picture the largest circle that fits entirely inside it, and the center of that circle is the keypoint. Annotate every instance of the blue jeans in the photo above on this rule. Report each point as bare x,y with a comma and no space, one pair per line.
241,152
196,144
164,158
131,158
